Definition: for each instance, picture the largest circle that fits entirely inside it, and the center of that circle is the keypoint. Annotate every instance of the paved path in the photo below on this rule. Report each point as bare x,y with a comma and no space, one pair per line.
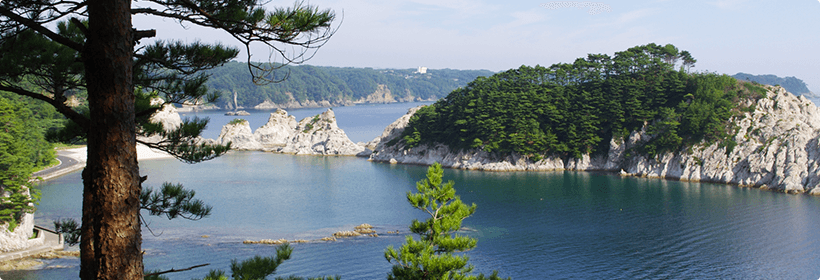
67,165
74,159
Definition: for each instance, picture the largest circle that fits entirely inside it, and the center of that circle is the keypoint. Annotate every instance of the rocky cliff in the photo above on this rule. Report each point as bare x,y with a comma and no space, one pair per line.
20,238
778,147
167,115
319,135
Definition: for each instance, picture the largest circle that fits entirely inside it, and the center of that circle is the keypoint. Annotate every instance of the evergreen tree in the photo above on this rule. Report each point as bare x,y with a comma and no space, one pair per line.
102,56
435,254
22,149
570,110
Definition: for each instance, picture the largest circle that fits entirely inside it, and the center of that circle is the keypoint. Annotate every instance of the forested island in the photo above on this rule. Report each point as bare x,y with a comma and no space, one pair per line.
319,86
642,112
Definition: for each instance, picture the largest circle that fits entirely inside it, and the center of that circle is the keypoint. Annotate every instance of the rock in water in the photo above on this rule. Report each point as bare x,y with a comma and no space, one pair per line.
239,134
238,113
277,131
778,147
167,116
320,135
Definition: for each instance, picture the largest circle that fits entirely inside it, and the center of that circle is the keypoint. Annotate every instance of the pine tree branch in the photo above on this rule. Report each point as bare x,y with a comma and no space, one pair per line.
78,118
176,270
41,29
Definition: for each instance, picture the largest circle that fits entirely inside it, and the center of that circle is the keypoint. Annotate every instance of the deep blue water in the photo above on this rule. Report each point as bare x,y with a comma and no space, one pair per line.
530,225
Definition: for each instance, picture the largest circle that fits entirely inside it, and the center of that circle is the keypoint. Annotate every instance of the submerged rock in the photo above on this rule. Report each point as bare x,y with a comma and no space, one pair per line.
778,147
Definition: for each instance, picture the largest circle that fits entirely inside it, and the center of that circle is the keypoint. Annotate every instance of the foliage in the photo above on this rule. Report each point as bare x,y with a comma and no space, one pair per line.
237,121
48,43
70,230
258,268
23,149
173,201
433,255
574,109
318,83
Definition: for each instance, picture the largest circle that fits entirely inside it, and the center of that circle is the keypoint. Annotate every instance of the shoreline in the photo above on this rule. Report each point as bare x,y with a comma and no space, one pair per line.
76,159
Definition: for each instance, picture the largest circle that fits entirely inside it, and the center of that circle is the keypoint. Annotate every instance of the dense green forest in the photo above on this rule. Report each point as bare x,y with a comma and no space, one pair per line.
317,83
23,149
791,84
572,109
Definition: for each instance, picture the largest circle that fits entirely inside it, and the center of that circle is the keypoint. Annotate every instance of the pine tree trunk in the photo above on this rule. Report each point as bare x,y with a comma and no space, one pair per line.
111,239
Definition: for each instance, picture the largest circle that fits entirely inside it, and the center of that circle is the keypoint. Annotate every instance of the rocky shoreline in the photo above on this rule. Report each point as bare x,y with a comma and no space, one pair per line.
778,148
382,96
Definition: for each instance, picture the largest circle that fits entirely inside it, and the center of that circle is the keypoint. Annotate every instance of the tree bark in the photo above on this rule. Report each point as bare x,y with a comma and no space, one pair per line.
111,238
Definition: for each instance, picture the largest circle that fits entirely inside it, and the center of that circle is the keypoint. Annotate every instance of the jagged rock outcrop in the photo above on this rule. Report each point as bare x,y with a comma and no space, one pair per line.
238,132
167,116
319,135
393,130
778,147
277,131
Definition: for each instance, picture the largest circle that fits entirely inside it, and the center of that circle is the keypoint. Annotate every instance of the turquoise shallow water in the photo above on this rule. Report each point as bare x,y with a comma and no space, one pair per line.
530,225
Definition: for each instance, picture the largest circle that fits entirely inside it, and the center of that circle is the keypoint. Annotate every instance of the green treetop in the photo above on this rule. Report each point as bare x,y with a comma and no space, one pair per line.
22,150
433,255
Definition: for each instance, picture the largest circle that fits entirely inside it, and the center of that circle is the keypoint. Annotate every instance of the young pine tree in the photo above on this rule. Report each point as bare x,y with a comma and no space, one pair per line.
434,256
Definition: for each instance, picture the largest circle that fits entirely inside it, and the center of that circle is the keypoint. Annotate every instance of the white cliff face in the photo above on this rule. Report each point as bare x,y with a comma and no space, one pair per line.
319,135
778,147
168,117
393,130
20,238
240,136
276,132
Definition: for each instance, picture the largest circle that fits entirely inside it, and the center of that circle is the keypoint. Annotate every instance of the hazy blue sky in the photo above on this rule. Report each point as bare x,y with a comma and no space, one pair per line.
725,36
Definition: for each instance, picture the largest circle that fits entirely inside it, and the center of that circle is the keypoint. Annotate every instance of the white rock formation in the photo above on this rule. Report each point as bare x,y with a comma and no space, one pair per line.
393,130
277,131
319,135
167,116
239,134
778,148
20,238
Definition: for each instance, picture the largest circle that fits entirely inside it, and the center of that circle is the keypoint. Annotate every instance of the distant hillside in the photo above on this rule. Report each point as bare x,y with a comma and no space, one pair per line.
791,84
307,84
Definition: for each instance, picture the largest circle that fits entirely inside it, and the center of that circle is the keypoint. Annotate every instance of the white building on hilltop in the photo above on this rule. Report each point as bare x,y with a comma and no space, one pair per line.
422,70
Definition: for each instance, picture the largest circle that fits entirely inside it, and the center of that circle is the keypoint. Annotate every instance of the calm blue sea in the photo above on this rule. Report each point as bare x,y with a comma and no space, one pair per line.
530,225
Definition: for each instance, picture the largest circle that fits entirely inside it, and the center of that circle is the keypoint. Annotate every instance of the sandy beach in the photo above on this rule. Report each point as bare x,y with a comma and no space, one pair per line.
77,160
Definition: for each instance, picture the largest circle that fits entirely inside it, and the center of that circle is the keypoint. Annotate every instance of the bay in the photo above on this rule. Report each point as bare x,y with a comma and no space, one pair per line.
530,225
